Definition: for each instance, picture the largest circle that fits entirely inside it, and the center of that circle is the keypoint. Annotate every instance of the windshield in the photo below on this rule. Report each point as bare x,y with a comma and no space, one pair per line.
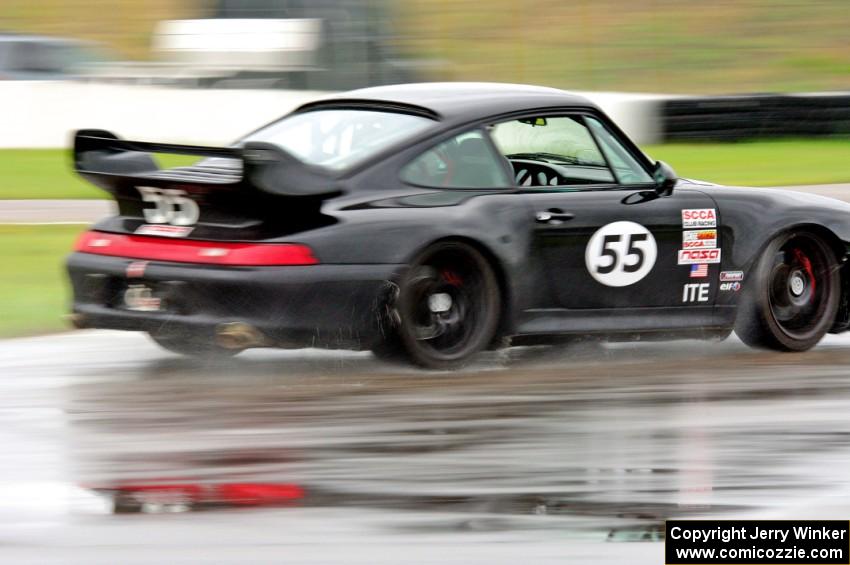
337,139
551,139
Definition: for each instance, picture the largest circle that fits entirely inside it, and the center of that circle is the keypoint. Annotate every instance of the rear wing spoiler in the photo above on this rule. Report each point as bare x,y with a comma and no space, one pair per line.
118,165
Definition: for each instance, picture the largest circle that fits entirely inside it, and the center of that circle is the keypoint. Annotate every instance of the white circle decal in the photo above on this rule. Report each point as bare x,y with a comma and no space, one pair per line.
620,253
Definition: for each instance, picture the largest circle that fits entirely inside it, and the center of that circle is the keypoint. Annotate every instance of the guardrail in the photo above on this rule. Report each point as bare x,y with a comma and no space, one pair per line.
734,118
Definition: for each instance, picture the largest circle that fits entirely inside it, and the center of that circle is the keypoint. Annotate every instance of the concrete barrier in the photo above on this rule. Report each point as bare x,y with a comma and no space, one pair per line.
45,114
639,115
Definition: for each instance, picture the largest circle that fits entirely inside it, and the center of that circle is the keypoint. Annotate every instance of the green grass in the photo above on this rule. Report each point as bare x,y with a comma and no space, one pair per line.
760,163
645,45
42,173
631,45
33,290
125,26
48,173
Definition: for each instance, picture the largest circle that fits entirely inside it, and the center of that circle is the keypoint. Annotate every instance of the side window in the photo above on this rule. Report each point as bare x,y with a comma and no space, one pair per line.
465,161
626,167
551,151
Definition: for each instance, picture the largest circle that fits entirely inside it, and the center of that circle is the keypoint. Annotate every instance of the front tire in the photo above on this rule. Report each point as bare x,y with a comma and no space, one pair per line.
791,299
447,308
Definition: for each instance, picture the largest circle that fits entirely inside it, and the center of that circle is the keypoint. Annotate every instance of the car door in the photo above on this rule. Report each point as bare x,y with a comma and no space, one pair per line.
606,238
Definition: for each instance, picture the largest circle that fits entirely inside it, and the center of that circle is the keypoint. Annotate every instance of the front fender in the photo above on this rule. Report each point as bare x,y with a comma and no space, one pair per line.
751,217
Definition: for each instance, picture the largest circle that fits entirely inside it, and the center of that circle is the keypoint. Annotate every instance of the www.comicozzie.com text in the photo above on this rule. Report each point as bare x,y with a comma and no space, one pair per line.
727,534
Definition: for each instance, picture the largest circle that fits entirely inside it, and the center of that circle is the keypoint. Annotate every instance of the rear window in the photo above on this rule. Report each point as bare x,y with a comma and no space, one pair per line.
337,139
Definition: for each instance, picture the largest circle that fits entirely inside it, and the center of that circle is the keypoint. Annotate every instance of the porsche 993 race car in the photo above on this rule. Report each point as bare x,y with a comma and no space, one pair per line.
432,221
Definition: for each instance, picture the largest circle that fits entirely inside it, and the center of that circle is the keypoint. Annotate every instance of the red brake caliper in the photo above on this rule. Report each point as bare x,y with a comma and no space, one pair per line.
807,265
451,278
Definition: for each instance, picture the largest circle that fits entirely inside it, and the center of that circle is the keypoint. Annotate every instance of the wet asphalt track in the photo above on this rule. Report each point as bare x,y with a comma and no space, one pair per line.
571,454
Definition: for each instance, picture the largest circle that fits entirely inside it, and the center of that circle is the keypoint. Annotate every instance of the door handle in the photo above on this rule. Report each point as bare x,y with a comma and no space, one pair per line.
553,216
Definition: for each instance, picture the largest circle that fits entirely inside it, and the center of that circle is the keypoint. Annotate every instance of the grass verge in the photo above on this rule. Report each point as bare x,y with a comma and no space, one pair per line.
760,163
48,173
34,293
649,46
40,174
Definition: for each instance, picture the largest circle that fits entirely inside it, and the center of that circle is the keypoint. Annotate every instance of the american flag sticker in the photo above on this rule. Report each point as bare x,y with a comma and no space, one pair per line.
699,271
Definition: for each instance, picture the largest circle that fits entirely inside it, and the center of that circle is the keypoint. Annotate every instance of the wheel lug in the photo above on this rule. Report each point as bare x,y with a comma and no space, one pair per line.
797,285
440,302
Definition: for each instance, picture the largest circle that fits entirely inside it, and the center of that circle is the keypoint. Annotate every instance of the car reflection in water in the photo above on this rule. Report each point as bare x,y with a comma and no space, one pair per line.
184,497
299,430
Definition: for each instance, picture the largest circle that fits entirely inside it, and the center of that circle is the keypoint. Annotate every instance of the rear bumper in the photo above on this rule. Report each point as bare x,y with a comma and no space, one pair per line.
337,306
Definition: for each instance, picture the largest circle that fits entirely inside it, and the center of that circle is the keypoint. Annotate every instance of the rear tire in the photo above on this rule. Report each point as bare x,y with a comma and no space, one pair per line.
792,296
191,347
447,308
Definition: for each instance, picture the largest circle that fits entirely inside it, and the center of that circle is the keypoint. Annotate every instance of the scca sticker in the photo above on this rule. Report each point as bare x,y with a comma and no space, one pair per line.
694,256
699,218
699,238
620,253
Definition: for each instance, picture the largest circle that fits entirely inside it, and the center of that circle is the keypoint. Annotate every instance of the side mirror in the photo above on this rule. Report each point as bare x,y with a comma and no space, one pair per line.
665,178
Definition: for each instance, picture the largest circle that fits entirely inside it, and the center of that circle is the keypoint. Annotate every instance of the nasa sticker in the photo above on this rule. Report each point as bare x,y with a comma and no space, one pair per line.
620,253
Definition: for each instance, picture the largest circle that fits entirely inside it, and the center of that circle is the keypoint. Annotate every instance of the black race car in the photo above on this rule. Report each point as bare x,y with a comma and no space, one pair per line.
432,221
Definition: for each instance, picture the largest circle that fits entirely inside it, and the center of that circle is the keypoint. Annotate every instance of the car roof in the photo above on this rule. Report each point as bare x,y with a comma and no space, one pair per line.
458,101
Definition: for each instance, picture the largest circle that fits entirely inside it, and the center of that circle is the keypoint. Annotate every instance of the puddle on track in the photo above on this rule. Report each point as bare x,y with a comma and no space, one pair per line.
590,442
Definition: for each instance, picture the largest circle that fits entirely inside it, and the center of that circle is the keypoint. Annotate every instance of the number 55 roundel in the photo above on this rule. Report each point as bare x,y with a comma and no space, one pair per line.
620,253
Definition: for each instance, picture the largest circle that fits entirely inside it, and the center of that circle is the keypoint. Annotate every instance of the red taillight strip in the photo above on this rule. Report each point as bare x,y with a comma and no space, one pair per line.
191,251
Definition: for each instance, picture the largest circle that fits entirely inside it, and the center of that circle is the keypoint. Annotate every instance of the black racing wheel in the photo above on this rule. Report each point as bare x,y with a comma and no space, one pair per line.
447,308
792,297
